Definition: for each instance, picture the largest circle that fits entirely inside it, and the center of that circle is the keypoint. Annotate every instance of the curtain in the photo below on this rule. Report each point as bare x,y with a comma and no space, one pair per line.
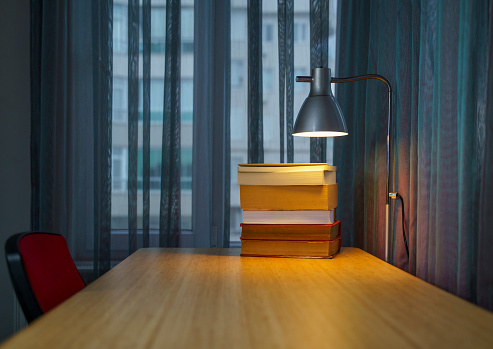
102,47
67,164
170,214
255,105
72,76
437,57
285,14
319,57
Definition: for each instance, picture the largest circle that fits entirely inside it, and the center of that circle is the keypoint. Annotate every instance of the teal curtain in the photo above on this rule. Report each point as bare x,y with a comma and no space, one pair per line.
319,52
71,138
437,55
70,153
255,104
170,206
319,57
102,57
285,24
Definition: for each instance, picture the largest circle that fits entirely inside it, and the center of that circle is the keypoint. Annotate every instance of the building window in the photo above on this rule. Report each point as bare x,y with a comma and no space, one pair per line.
120,110
156,99
120,32
158,29
186,169
187,30
267,80
300,31
119,169
237,73
155,169
238,25
237,127
267,32
120,100
186,100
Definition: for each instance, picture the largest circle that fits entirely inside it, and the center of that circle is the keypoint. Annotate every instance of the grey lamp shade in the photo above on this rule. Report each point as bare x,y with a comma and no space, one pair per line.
320,115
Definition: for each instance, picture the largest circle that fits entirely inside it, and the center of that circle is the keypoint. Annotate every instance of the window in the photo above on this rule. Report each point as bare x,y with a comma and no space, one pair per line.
237,72
156,99
158,29
119,169
154,171
267,80
120,101
187,30
120,143
186,100
300,31
237,132
120,32
238,24
267,32
186,169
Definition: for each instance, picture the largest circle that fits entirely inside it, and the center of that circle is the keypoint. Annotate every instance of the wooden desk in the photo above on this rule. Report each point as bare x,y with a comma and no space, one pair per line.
212,298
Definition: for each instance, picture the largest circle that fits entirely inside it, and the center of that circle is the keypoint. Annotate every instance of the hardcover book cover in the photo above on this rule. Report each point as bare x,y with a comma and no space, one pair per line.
286,174
287,248
308,232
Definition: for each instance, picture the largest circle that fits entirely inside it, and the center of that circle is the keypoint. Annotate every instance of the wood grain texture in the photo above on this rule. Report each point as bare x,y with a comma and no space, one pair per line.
196,298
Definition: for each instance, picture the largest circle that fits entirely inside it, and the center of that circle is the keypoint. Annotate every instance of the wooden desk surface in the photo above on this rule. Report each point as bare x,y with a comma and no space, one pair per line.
197,298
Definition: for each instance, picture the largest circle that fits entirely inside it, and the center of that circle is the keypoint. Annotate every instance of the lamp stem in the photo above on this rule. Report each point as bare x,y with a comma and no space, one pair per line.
389,149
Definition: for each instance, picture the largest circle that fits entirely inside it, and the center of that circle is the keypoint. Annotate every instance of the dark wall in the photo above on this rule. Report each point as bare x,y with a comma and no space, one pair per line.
15,178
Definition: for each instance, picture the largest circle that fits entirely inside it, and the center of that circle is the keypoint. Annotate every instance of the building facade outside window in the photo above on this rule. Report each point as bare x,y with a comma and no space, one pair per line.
120,115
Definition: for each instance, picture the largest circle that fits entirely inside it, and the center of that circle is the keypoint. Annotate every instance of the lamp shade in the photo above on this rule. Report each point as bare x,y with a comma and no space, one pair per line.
320,115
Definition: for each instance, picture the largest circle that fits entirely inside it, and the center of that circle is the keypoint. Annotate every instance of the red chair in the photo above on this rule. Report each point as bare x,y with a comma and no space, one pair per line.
42,271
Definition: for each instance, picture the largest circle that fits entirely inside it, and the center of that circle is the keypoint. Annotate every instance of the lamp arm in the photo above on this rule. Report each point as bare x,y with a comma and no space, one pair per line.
388,193
389,116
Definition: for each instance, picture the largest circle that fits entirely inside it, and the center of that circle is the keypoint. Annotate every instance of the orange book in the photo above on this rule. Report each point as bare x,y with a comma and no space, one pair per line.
288,197
287,248
307,232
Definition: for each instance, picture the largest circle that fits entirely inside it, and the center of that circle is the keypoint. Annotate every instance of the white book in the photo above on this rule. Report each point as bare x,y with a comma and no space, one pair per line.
289,217
286,174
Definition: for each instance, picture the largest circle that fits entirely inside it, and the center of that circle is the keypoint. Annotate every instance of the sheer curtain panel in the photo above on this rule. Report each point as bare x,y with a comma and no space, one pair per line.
437,55
71,109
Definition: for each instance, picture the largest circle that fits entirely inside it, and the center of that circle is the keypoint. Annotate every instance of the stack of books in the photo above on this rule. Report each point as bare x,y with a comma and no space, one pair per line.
288,210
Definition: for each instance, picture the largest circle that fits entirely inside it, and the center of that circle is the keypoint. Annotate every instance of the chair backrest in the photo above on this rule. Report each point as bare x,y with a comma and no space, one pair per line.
42,271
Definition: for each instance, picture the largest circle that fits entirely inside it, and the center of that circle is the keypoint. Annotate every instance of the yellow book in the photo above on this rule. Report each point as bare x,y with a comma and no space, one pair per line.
288,197
286,174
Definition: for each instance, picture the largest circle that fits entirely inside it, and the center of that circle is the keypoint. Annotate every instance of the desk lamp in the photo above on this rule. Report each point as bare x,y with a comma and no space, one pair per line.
321,116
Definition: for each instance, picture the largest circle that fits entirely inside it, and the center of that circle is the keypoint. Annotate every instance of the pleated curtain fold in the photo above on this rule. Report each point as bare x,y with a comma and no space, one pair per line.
437,55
